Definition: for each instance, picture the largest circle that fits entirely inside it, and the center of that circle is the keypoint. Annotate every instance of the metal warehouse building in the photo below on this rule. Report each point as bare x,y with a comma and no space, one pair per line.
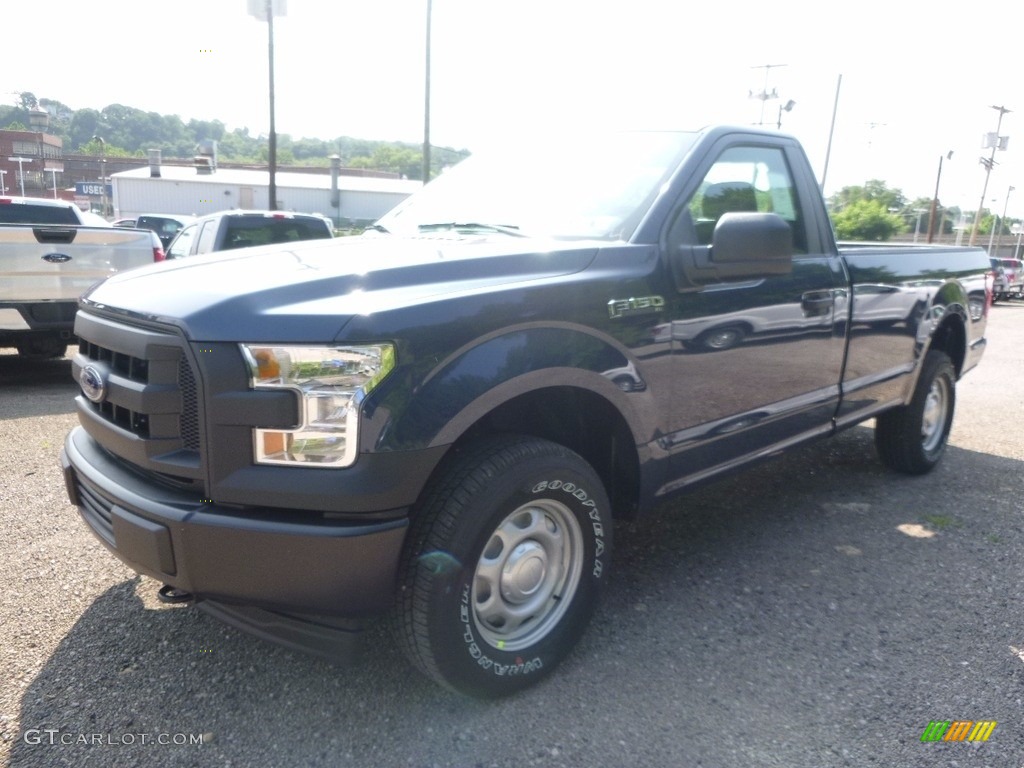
199,190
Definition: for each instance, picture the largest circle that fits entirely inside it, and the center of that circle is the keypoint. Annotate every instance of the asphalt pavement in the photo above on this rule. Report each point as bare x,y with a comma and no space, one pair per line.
817,611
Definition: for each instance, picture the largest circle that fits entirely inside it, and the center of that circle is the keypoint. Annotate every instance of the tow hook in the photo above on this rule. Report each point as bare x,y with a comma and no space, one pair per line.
172,595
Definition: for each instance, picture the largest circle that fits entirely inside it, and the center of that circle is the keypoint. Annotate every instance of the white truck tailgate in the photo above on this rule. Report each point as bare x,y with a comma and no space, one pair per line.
53,263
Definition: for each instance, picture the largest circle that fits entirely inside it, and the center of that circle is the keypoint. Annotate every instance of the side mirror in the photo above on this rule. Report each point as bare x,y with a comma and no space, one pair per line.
744,246
754,243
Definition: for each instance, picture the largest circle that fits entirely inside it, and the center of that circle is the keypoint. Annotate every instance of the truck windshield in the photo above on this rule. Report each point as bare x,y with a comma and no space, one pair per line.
576,188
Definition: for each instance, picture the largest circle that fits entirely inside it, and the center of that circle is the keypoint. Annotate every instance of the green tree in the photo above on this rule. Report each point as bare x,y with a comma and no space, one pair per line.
94,147
866,220
397,158
873,190
85,124
206,129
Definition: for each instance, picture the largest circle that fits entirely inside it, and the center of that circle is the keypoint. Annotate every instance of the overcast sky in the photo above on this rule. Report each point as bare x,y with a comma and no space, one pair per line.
918,79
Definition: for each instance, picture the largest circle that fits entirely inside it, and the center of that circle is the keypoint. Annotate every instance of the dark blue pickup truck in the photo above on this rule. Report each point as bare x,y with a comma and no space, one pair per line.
439,421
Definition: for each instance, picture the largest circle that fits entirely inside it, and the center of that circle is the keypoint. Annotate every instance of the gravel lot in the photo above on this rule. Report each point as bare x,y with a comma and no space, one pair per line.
785,620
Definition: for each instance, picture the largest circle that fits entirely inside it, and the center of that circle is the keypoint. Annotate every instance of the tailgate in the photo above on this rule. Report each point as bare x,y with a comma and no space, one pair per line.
52,263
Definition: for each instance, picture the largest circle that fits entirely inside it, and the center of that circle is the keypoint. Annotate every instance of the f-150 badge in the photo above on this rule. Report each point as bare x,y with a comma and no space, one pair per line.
638,305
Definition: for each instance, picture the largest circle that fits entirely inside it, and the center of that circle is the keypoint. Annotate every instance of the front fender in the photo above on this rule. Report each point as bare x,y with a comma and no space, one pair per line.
492,370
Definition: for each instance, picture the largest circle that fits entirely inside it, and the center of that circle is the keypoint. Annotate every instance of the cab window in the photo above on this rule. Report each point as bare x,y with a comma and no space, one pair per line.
747,180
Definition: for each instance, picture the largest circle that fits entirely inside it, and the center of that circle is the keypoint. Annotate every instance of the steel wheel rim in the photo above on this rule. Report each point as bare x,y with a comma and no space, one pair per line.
527,575
933,418
722,339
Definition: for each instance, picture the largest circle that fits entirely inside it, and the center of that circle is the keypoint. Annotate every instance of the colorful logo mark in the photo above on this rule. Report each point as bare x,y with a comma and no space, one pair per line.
958,730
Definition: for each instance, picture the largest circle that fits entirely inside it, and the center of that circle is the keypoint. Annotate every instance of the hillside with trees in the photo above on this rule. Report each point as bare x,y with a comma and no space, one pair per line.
128,131
872,212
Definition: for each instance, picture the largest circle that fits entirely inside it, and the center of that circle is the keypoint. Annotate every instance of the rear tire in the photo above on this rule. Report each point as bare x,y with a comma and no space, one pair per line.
42,347
912,438
504,562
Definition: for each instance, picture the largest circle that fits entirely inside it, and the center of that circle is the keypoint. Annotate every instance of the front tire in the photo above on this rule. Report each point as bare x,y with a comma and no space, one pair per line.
912,438
718,339
503,567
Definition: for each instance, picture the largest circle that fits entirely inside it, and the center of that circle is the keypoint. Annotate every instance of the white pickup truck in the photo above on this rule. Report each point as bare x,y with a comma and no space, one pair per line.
49,255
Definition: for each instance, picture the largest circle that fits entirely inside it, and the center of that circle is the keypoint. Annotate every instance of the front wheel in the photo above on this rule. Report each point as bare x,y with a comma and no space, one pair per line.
913,437
718,339
503,566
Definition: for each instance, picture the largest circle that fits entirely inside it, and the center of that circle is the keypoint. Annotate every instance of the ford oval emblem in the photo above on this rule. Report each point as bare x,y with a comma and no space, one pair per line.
56,258
93,383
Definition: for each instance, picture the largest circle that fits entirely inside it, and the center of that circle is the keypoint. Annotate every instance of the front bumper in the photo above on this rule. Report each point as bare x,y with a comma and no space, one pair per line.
284,561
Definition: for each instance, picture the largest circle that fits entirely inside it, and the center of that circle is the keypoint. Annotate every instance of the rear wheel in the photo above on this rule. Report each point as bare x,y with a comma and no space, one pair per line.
503,565
912,438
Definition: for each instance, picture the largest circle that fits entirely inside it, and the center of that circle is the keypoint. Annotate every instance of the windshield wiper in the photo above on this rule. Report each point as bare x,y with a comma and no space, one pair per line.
472,226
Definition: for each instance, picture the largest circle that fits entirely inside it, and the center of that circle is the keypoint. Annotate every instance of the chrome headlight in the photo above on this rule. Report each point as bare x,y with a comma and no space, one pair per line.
330,383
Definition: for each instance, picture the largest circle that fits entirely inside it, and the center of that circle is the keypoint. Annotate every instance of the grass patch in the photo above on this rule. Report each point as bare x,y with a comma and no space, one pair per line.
942,522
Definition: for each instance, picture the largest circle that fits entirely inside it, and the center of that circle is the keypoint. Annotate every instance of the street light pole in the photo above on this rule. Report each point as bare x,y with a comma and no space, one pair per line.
53,172
997,143
999,241
264,10
3,186
831,131
992,233
20,170
787,107
272,186
426,103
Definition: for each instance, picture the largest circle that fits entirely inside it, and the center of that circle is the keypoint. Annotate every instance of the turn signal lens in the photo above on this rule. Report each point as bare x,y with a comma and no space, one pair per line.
330,383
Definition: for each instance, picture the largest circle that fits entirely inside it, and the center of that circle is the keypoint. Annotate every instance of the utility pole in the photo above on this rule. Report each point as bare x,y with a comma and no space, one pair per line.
935,199
995,141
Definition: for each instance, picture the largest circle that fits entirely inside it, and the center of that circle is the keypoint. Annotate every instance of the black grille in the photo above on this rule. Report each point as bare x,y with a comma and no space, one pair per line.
133,368
189,420
148,413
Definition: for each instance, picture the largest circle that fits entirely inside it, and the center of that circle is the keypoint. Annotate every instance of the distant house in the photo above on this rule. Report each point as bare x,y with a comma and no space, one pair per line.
203,188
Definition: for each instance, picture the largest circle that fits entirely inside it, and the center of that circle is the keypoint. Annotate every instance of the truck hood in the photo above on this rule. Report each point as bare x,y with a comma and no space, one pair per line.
309,291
